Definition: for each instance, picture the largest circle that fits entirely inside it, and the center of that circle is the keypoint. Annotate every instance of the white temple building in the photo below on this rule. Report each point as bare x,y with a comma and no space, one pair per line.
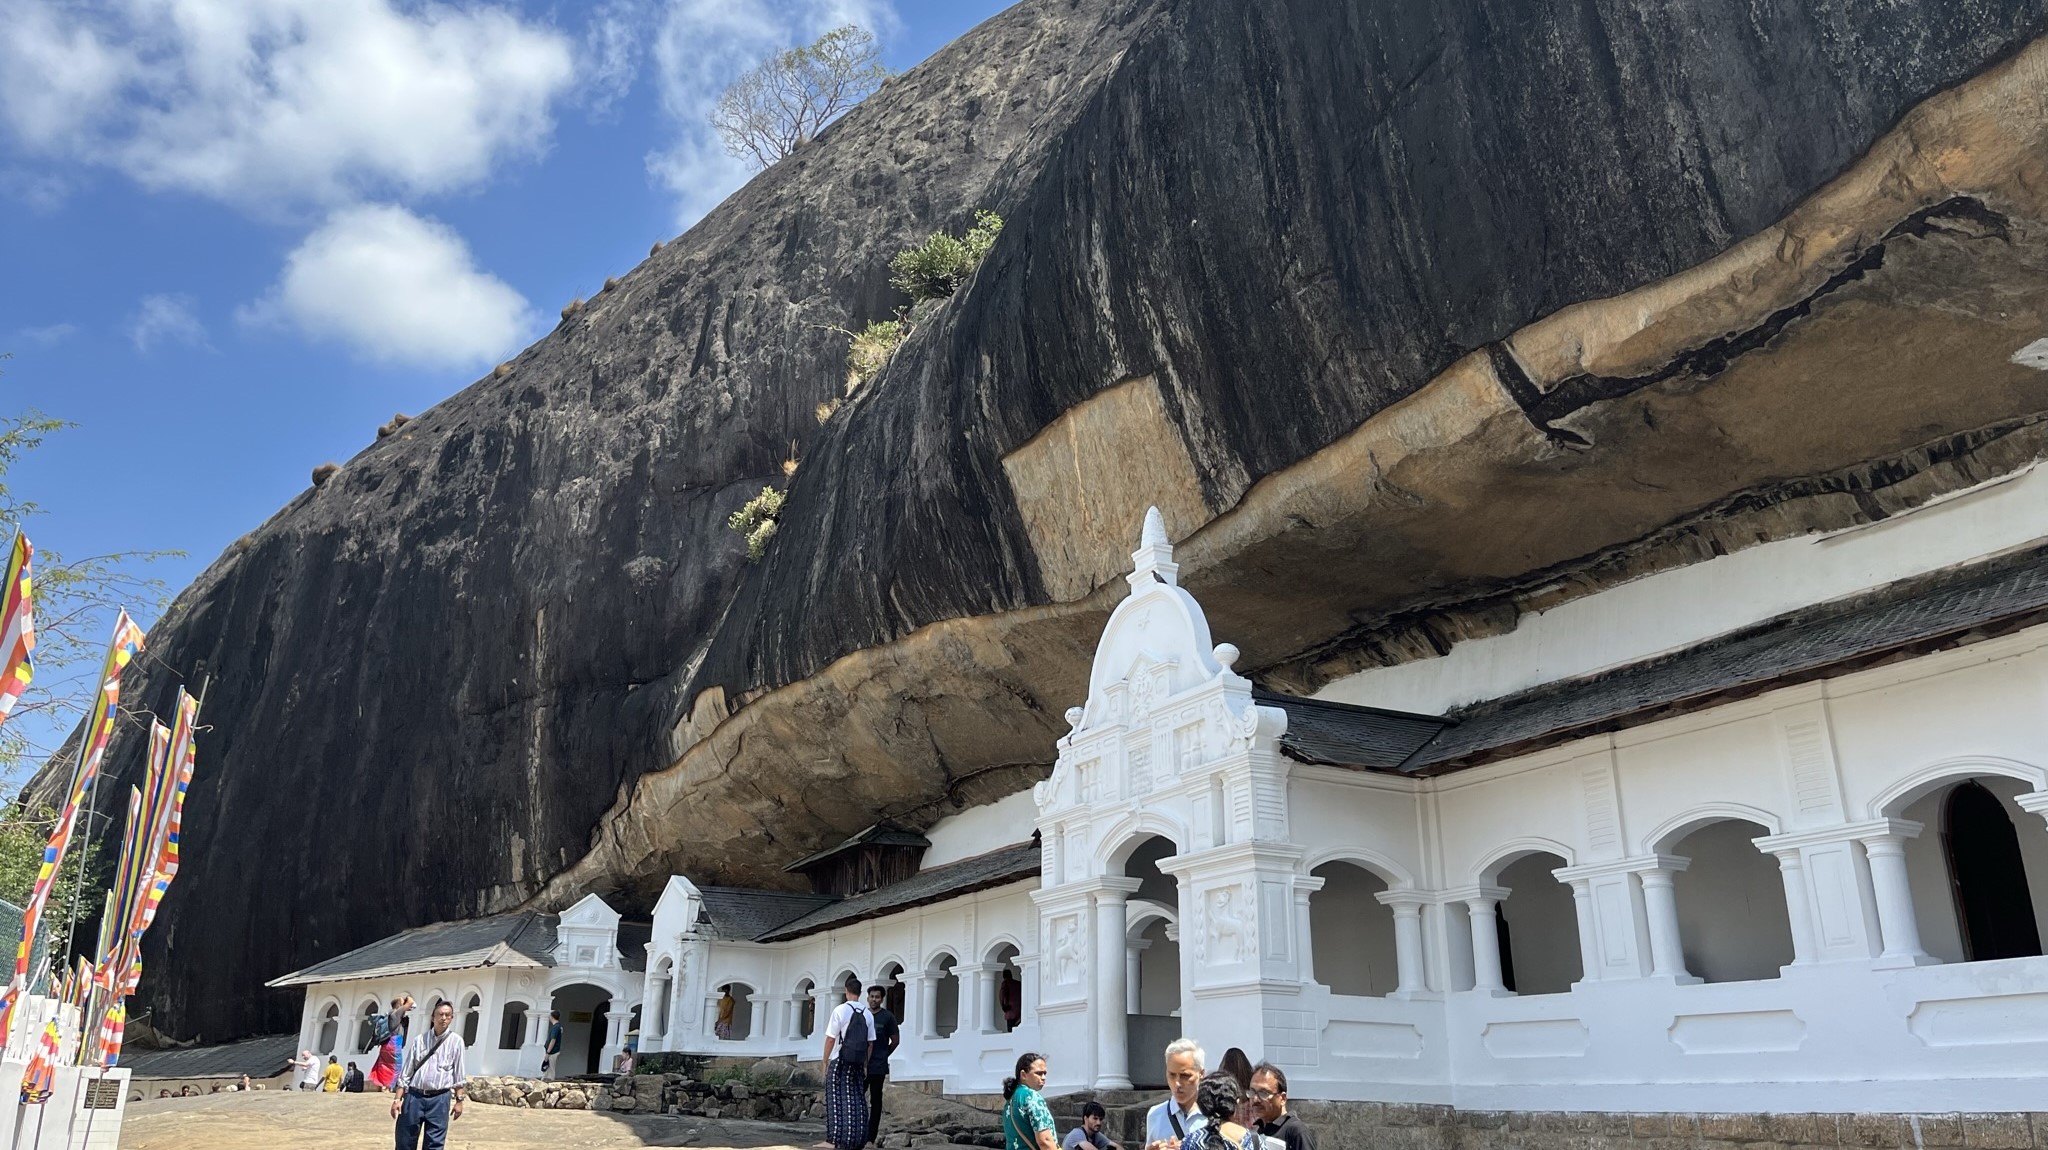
1765,833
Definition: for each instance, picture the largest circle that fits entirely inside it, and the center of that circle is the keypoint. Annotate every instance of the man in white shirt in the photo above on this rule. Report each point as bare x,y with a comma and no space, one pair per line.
848,1035
1168,1124
428,1075
309,1070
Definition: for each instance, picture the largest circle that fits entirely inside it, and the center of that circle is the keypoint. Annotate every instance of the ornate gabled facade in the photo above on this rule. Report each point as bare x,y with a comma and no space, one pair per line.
1702,854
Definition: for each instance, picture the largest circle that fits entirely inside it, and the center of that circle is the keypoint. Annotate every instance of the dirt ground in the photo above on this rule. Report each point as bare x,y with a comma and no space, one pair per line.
279,1120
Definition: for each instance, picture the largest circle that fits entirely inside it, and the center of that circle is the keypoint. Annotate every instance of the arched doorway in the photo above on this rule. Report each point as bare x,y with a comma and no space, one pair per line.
472,1019
806,1001
1351,933
662,988
1978,872
1007,987
1152,979
1732,922
366,1015
1538,928
330,1029
734,1020
946,1000
512,1026
583,1008
891,980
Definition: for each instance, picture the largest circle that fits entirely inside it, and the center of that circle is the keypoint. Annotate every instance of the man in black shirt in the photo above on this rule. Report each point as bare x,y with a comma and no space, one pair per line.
887,1035
1269,1095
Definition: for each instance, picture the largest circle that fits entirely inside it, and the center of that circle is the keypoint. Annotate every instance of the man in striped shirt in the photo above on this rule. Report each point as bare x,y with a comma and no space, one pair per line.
429,1074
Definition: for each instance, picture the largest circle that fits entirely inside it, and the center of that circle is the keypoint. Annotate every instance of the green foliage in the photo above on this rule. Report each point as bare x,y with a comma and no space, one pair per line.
780,103
870,350
937,267
756,521
24,831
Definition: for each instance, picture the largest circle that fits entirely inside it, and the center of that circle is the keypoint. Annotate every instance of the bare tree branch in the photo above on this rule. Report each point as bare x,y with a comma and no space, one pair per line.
780,104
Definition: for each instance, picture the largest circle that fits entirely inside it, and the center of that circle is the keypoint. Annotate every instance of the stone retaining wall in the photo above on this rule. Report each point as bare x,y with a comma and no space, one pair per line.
1400,1126
532,1093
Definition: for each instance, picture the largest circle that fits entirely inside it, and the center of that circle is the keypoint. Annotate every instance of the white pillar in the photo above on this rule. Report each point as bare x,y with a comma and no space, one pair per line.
1582,908
615,1039
927,1005
1660,906
1304,926
1481,908
1112,1032
1133,987
1408,958
1798,907
1896,923
977,997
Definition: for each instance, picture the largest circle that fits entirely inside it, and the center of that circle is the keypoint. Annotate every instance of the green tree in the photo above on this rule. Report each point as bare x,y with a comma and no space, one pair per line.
785,100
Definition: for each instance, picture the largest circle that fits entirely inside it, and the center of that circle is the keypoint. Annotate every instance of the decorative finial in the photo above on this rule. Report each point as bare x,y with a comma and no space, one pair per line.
1155,529
1074,717
1226,655
1153,561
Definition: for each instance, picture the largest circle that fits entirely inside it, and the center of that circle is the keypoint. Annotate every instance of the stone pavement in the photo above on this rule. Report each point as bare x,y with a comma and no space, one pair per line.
282,1120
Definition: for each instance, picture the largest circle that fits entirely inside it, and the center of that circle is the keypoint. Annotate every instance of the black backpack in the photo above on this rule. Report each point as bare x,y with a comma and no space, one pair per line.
854,1043
352,1079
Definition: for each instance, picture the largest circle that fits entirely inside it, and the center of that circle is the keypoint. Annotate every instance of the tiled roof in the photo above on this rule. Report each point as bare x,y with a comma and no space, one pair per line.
520,939
1829,638
743,915
1342,735
255,1057
1791,648
997,867
882,834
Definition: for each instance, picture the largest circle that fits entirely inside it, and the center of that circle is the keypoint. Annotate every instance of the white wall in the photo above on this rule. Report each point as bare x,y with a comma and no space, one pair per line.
979,830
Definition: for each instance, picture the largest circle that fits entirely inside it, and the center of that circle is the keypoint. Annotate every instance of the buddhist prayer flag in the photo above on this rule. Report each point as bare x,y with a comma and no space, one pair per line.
110,1035
37,1084
99,731
17,628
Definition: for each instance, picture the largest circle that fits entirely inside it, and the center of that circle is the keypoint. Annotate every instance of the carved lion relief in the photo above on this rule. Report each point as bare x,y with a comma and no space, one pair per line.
1229,927
1069,950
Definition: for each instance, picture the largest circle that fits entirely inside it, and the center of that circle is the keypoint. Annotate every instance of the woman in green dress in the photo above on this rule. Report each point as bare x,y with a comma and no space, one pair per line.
1027,1124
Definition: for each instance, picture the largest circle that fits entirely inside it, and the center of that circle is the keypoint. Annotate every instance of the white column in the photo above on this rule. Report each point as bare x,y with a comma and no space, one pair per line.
1304,927
1112,1032
1798,907
1897,925
1408,957
927,1005
1481,908
615,1039
1589,950
977,997
1133,987
1660,906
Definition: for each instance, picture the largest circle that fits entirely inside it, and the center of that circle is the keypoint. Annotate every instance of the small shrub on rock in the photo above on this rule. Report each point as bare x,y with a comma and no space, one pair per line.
324,472
870,350
756,521
937,267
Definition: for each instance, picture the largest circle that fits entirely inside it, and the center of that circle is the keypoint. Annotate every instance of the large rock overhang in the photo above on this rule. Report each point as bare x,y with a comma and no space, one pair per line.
1863,354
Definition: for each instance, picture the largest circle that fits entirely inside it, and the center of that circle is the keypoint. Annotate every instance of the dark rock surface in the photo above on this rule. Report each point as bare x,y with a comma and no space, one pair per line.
436,673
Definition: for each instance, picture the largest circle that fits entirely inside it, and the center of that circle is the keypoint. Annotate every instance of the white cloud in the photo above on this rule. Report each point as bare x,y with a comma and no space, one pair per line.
51,333
166,318
701,46
398,289
613,44
270,102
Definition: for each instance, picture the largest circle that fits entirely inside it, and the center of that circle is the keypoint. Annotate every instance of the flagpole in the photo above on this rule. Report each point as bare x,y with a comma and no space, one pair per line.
92,791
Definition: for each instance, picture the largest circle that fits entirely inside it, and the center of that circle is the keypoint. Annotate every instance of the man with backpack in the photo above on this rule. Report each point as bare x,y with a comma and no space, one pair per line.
848,1036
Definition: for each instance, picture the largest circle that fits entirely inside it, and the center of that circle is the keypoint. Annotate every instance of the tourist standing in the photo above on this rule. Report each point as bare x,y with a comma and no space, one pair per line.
1269,1092
309,1070
848,1036
1239,1066
330,1079
1027,1123
1010,997
553,1056
1173,1120
1218,1097
887,1034
430,1074
1088,1135
723,1027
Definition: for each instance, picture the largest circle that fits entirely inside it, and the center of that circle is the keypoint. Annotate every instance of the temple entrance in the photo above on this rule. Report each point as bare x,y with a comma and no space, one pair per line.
1152,979
582,1007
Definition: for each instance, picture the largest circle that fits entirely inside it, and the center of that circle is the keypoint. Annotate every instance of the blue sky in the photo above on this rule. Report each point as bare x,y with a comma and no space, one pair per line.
239,234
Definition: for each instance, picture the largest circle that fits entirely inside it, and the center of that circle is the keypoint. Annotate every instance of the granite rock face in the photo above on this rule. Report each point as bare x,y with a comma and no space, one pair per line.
1398,311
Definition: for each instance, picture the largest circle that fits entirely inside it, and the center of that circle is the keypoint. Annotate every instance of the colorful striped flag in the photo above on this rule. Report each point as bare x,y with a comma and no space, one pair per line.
110,1035
99,731
17,628
41,1077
